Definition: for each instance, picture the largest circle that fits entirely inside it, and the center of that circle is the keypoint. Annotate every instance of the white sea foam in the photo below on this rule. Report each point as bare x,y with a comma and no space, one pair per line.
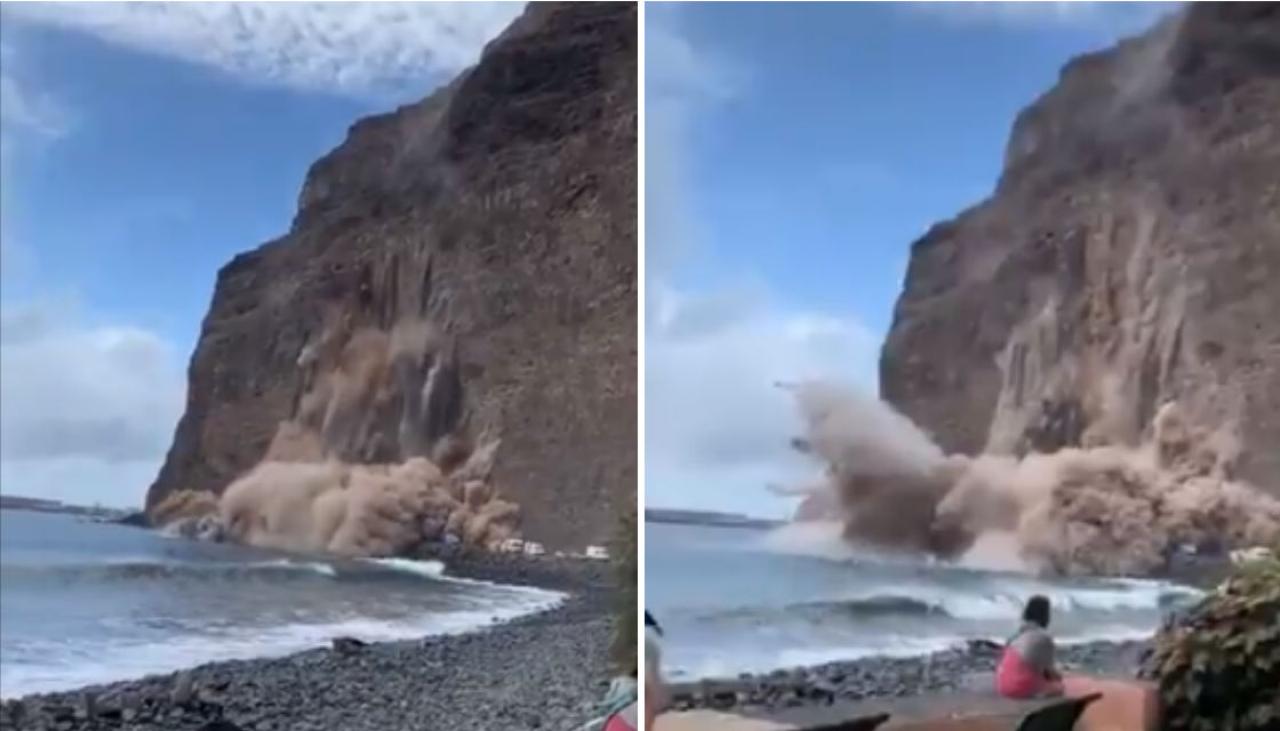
317,567
429,569
1009,603
75,663
540,599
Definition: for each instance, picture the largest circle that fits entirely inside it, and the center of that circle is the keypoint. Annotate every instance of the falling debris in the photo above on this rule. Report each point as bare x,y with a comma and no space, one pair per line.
326,485
1102,510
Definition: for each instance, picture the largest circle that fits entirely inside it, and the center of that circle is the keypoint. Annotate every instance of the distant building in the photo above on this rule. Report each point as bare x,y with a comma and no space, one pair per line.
533,549
511,545
1245,555
597,552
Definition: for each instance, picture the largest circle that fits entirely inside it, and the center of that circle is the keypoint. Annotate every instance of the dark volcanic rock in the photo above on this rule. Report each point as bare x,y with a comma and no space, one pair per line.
1129,256
136,519
502,208
348,645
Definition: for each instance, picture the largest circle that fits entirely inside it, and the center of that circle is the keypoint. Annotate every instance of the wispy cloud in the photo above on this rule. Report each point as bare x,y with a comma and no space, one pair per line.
678,72
29,118
24,108
682,82
351,48
1106,17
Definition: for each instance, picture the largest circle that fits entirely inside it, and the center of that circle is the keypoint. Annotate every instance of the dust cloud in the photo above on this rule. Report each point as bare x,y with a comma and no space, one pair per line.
361,510
376,460
1107,510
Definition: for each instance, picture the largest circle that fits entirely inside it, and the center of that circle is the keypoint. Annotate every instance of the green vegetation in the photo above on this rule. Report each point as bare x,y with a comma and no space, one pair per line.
1218,667
623,552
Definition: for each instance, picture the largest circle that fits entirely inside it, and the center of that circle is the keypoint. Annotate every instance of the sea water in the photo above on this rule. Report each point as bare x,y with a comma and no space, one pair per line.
734,600
84,602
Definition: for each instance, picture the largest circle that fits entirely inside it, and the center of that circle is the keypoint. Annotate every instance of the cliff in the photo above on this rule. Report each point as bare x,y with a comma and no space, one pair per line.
499,215
1129,256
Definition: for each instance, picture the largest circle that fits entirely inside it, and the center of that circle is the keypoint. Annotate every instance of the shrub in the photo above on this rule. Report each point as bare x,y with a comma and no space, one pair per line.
1218,666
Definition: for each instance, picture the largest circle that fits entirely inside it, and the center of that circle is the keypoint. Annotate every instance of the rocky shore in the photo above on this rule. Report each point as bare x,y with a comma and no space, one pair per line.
544,671
964,670
592,579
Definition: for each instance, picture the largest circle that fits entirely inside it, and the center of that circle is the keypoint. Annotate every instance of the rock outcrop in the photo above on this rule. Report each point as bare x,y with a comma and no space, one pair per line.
1129,257
460,275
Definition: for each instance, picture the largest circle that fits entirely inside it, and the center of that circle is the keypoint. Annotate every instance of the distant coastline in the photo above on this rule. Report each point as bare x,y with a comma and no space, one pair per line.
41,505
708,518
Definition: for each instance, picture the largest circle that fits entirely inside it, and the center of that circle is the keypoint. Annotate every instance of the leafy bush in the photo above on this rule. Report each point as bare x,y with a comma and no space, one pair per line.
1218,666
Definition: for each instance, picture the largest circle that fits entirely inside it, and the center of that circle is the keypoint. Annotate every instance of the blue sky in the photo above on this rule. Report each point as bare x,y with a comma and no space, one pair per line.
793,153
141,147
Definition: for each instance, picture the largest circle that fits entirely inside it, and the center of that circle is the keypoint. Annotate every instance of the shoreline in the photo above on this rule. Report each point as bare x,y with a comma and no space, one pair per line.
546,670
965,671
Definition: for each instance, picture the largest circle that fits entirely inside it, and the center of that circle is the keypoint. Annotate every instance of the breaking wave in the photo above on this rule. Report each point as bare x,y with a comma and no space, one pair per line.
998,604
153,570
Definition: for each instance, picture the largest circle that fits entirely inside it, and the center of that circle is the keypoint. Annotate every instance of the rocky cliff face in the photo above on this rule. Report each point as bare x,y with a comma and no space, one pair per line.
1129,256
498,218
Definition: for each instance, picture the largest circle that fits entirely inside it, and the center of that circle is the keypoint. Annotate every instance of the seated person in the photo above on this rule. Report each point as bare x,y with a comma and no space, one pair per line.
1026,668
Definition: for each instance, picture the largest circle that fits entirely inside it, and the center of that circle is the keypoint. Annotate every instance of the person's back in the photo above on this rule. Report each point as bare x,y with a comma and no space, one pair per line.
1027,668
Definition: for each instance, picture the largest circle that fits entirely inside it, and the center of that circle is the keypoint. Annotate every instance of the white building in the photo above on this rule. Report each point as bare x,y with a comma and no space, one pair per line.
533,549
597,552
1245,555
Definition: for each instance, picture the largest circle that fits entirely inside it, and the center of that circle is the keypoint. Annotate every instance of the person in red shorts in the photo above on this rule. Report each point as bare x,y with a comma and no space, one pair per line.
624,720
1027,667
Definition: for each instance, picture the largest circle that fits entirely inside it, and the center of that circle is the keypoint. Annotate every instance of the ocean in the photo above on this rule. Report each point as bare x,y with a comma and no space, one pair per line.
737,600
84,602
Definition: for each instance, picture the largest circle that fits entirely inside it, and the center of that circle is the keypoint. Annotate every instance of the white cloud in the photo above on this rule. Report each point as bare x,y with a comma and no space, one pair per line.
676,70
34,113
717,429
30,117
97,403
24,109
343,47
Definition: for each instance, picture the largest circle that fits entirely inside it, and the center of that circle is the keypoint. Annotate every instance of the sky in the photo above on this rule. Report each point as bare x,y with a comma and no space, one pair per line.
141,147
793,152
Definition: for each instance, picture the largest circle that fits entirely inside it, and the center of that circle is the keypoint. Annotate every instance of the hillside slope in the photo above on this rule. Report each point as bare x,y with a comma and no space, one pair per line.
1129,256
502,210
